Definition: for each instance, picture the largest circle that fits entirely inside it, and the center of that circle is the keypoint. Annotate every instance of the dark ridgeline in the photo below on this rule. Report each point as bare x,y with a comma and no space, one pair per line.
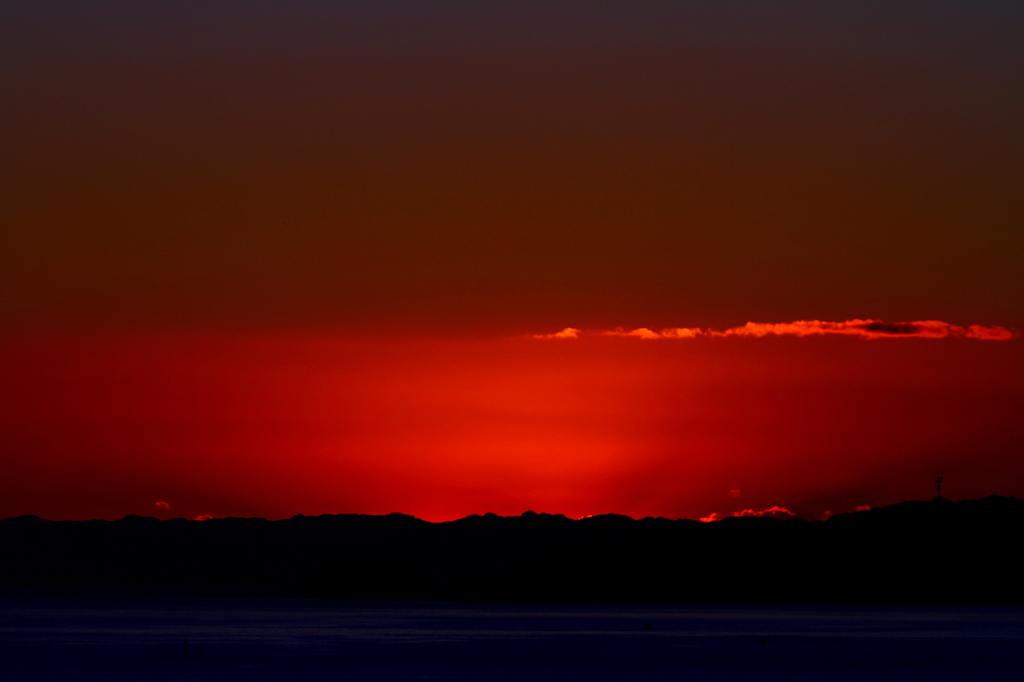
912,552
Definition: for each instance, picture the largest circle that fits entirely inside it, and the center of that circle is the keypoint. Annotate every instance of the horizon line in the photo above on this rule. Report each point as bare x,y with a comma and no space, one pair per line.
775,513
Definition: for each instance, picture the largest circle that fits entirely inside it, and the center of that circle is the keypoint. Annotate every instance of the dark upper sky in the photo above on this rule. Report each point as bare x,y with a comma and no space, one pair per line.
508,167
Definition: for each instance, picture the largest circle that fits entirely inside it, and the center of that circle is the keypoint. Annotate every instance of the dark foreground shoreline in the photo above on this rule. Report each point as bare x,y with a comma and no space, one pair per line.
935,552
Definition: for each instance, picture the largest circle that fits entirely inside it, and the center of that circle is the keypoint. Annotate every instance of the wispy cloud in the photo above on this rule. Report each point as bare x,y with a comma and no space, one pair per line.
976,331
567,333
672,333
775,512
163,505
641,333
866,329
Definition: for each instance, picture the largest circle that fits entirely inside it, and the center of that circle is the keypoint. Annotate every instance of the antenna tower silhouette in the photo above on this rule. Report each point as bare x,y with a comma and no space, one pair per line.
938,486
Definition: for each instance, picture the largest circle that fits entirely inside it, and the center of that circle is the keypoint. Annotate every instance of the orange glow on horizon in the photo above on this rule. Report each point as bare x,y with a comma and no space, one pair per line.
444,428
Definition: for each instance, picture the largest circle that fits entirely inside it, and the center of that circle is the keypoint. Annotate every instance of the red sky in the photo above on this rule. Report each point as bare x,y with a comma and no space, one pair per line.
268,258
442,428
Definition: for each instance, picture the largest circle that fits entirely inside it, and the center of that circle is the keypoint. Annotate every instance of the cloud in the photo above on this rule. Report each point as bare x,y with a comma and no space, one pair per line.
866,507
681,333
976,331
163,505
734,493
641,333
203,517
775,512
866,329
567,333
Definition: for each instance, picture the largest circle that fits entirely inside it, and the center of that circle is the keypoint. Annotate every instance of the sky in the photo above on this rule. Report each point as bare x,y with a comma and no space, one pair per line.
660,258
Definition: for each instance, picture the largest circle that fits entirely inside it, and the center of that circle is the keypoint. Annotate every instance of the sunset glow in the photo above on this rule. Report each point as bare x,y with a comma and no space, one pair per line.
661,258
444,428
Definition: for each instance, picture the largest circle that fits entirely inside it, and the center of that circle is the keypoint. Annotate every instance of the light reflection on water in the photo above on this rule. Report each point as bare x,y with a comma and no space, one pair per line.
143,637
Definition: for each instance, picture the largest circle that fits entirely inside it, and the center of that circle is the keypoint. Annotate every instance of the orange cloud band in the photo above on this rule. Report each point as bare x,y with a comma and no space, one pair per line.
775,512
867,329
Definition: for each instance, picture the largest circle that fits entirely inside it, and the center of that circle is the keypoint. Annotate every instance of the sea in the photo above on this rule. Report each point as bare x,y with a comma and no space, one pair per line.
113,637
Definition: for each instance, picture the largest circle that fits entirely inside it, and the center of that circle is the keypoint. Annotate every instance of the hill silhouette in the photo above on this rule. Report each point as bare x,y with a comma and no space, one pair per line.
911,553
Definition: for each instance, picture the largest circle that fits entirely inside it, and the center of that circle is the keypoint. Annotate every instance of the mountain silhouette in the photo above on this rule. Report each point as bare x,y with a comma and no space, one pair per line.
934,552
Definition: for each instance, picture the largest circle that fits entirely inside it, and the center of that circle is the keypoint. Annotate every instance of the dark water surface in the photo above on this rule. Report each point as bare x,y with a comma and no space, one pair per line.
143,638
